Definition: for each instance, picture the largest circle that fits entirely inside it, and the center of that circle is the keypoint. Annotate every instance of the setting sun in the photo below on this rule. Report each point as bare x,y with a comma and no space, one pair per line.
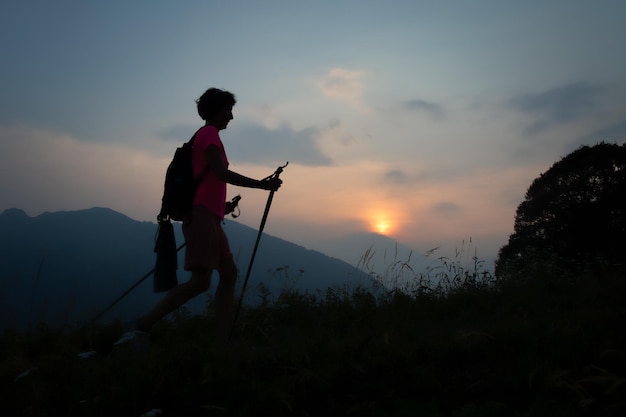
382,227
384,218
382,223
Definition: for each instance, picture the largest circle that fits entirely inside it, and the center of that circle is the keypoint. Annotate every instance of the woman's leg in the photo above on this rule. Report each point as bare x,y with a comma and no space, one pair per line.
199,282
224,298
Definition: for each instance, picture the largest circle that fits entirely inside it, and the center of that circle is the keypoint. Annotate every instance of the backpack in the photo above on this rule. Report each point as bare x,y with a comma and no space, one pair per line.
180,186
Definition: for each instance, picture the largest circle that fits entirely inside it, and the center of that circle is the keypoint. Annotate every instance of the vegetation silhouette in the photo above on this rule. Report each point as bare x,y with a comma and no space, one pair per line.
573,217
467,348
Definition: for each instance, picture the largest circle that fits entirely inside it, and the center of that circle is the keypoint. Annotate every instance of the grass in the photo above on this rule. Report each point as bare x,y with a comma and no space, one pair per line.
471,346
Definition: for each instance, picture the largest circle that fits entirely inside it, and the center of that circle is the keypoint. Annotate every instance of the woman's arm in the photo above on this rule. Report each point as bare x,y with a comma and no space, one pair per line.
223,173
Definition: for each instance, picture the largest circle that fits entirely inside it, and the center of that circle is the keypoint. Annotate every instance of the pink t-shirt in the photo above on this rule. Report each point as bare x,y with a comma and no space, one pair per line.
211,191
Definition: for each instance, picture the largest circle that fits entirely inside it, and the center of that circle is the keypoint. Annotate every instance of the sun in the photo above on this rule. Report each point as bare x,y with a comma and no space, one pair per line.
382,223
382,227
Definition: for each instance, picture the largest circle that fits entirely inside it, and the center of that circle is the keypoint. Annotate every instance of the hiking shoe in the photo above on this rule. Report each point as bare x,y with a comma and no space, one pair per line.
135,338
130,336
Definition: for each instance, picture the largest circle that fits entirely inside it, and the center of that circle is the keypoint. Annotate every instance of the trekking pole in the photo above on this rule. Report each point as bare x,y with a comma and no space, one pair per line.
276,174
132,287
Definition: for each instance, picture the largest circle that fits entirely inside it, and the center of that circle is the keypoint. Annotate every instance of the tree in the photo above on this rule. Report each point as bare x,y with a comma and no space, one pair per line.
573,215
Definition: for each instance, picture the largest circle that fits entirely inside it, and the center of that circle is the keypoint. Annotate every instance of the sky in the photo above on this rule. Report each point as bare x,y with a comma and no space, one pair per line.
425,121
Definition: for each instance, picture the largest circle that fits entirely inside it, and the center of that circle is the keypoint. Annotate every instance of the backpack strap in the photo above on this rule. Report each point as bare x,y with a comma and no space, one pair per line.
206,169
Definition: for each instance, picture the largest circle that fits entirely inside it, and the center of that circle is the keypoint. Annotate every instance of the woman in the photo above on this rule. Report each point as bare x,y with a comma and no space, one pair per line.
207,247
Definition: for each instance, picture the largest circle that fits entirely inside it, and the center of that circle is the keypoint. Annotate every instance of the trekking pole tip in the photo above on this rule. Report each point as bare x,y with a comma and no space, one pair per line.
280,168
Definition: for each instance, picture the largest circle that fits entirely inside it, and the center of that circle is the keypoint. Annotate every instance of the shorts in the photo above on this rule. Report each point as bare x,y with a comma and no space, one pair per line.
207,246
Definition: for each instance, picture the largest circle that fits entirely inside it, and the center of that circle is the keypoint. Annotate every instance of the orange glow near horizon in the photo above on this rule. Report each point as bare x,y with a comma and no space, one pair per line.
381,222
382,227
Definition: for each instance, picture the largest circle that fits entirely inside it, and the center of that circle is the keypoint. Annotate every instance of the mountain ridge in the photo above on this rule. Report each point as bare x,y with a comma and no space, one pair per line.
62,267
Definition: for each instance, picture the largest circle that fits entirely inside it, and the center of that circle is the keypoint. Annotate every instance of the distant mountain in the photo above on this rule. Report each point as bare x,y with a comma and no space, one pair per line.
65,267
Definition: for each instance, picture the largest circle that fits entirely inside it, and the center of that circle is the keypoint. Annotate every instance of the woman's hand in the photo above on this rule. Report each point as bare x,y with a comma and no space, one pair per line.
232,205
270,184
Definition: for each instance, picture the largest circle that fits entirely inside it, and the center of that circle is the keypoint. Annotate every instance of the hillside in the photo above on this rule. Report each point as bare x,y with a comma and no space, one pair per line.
65,267
550,346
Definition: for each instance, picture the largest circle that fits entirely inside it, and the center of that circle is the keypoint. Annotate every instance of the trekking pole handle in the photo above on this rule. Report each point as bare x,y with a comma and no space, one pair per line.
235,206
276,173
279,170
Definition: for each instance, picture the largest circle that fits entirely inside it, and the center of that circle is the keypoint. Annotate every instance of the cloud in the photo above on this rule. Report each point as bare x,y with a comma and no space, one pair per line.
408,177
343,84
396,176
252,143
258,144
434,109
557,106
446,208
45,171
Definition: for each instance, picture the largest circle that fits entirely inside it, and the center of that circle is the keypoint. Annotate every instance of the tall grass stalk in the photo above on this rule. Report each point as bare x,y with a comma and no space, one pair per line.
441,275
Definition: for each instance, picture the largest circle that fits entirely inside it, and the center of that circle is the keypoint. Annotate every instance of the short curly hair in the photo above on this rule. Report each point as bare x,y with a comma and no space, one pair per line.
213,101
